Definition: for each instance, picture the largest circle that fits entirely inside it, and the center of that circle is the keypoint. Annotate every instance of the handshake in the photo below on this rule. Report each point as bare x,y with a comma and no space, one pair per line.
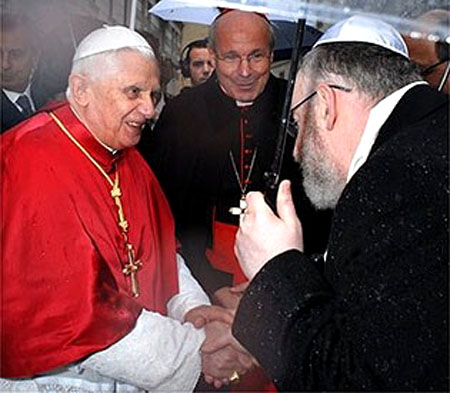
223,358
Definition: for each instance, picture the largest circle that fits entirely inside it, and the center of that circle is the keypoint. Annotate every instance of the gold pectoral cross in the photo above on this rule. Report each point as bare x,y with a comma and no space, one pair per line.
131,269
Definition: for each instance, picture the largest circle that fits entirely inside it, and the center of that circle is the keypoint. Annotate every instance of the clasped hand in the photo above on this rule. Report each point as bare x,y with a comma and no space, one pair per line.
221,353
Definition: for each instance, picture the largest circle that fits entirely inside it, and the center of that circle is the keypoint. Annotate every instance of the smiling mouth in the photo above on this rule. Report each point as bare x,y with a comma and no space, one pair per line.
136,125
246,87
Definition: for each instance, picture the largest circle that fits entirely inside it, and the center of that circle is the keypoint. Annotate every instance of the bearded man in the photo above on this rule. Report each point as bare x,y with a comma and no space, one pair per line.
373,144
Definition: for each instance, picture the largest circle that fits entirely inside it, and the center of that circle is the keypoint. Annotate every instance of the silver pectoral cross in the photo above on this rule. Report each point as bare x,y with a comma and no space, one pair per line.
237,211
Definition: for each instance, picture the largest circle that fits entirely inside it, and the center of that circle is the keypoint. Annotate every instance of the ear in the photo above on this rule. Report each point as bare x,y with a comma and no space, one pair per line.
78,89
327,105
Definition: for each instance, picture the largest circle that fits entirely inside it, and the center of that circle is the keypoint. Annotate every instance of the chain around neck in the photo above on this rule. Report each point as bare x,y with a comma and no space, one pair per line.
243,187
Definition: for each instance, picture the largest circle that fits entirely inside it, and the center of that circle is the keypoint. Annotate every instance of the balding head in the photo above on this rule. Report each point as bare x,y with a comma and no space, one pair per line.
240,18
435,17
242,43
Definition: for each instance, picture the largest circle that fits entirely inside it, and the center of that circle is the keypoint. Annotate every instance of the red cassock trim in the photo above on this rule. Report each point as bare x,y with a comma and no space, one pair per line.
64,296
221,254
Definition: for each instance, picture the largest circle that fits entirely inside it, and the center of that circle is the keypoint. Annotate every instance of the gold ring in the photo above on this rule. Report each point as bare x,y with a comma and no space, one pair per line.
234,378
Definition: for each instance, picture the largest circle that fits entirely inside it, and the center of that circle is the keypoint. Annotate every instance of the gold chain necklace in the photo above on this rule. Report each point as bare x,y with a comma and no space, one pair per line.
132,267
236,211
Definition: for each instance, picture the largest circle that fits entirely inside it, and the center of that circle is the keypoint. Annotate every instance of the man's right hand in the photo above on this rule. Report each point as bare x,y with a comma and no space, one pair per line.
201,315
229,297
228,356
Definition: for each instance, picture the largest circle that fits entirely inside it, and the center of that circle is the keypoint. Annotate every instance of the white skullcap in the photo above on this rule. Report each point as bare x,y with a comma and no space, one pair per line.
359,28
109,38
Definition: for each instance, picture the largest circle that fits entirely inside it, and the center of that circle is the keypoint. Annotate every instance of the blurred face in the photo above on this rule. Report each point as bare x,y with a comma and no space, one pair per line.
17,60
323,179
424,54
243,55
122,100
201,65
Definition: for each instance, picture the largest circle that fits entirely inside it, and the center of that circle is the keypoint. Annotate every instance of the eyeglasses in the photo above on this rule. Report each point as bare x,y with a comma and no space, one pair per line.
428,70
253,59
292,123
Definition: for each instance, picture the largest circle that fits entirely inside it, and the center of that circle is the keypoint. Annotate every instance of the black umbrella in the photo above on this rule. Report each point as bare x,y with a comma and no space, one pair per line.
285,33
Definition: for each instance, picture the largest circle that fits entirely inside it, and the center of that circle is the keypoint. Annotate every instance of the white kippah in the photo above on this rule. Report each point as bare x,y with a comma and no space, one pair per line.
108,38
359,28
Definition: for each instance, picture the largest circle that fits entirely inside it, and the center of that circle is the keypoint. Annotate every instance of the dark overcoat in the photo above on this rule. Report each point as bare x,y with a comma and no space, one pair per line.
375,315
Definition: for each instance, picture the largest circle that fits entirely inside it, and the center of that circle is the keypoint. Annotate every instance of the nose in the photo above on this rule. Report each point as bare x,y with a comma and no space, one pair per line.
147,107
207,69
244,67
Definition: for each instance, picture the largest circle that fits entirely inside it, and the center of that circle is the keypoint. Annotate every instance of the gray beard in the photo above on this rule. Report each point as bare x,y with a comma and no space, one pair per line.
322,180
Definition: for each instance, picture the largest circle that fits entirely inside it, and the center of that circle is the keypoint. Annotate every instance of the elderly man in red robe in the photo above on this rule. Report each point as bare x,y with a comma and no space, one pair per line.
94,296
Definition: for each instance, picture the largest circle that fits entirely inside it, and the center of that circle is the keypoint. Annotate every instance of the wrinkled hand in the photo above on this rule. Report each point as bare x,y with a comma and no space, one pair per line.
262,235
226,357
201,315
240,288
229,297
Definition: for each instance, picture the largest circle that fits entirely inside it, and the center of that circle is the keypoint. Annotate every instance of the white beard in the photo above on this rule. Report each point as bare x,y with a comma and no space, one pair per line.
323,181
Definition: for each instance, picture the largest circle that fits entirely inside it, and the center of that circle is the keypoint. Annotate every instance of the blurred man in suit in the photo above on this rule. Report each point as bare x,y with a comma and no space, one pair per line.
19,58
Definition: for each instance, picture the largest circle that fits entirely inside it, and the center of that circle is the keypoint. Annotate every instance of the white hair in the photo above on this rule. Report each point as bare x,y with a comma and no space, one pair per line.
103,64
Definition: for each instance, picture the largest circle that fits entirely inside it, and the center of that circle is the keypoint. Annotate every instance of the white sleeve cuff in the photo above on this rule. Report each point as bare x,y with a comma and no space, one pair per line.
159,354
190,294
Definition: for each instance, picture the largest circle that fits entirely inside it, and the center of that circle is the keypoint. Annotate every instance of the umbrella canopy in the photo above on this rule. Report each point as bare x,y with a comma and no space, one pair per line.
400,14
202,12
189,11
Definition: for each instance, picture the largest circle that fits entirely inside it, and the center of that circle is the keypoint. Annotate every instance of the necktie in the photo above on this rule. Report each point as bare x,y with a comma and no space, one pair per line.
24,102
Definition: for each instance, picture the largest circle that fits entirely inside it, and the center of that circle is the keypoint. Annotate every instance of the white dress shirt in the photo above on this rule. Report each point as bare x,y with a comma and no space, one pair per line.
13,96
377,117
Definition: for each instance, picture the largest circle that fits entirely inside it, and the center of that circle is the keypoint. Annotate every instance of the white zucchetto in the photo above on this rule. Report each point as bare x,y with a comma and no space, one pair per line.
360,28
109,38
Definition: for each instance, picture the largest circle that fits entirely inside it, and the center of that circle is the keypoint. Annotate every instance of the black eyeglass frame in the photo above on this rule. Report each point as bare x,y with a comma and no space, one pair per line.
292,124
428,70
250,59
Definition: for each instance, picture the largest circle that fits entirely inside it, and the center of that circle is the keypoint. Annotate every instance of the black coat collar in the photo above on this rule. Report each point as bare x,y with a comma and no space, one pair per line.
417,103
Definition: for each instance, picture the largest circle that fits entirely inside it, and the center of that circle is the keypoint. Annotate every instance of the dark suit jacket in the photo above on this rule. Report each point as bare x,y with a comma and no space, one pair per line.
375,315
189,152
10,115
